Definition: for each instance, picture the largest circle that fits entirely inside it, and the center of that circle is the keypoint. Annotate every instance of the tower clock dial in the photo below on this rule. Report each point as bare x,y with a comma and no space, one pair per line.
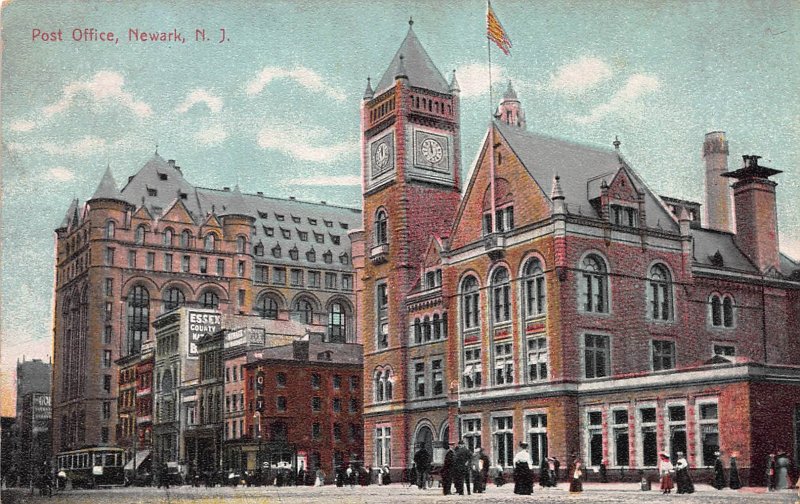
381,156
432,150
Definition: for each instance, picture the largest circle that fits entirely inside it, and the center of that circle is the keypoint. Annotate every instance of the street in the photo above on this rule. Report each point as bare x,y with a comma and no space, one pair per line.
396,493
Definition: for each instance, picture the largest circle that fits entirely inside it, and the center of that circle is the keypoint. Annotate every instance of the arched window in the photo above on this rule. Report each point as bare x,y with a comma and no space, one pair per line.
267,307
241,244
186,238
727,311
209,300
594,285
381,227
110,229
209,242
660,293
417,331
722,310
387,384
173,298
337,324
501,296
168,237
470,297
139,237
716,310
305,311
426,329
534,288
437,327
138,318
380,393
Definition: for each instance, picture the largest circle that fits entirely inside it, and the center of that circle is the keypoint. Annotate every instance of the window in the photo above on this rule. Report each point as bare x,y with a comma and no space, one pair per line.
353,405
259,249
343,257
280,403
203,265
296,276
337,405
471,429
382,304
470,297
209,242
537,358
242,294
381,228
138,311
305,311
648,442
107,335
262,274
503,437
623,216
267,308
316,380
327,257
280,379
721,310
185,263
708,420
537,437
319,237
316,404
107,383
173,298
619,419
437,377
487,223
186,238
294,253
220,267
337,323
314,279
104,434
504,219
501,296
241,244
316,430
150,261
594,285
353,383
676,429
279,276
109,291
108,310
663,355
337,382
131,258
383,446
660,293
727,311
533,286
210,300
168,237
106,410
419,379
167,262
347,282
139,235
595,424
383,386
330,280
106,358
109,230
286,233
109,258
724,350
303,235
472,367
503,364
597,355
311,255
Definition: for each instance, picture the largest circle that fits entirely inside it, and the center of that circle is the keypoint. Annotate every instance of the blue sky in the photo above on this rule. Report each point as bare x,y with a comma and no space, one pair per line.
276,107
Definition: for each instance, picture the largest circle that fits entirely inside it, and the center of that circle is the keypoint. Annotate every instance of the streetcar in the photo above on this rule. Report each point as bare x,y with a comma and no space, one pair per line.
92,467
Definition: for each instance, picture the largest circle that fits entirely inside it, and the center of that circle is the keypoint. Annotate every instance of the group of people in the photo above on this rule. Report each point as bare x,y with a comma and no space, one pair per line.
778,471
463,469
680,469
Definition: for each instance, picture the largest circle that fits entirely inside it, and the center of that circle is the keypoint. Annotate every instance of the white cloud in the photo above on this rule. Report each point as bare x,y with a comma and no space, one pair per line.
790,247
213,102
579,76
636,87
60,174
211,136
103,88
334,180
83,147
473,79
305,77
22,125
302,144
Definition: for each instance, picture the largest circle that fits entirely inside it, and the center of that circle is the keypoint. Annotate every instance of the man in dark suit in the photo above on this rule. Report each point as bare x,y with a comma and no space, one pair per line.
461,461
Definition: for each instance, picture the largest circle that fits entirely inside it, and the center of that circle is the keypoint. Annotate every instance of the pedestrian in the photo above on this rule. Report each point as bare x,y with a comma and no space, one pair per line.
422,461
553,466
683,479
523,475
476,471
665,470
385,475
499,476
603,471
557,470
544,473
782,471
461,459
719,472
576,475
734,482
447,469
320,477
771,469
484,469
351,475
340,473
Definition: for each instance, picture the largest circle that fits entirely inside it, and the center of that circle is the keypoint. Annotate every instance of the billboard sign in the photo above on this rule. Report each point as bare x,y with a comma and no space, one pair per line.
200,324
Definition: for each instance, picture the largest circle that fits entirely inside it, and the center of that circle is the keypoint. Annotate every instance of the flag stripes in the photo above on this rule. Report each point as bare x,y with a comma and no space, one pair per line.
495,31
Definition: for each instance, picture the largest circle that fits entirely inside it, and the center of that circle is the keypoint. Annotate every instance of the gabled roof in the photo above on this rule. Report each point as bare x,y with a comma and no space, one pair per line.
157,182
73,207
107,189
419,68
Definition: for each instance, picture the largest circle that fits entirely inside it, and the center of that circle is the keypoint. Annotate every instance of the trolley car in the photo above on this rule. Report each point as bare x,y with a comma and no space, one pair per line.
92,467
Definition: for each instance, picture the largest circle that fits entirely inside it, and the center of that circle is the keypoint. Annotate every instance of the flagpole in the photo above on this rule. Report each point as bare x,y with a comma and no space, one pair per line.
491,127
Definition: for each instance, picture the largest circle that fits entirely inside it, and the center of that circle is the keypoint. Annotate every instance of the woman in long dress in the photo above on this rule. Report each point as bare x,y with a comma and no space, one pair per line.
576,476
665,470
683,479
782,472
523,477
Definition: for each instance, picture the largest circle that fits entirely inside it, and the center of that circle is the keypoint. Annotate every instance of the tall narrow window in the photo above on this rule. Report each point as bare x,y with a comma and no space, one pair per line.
382,305
109,231
537,357
419,379
241,244
537,437
708,419
503,364
470,297
209,300
716,310
676,418
660,293
383,446
648,441
471,429
594,285
727,311
337,323
472,367
138,318
437,377
597,355
139,236
168,237
209,243
503,437
186,238
381,228
534,288
305,311
621,437
267,308
173,298
595,437
501,296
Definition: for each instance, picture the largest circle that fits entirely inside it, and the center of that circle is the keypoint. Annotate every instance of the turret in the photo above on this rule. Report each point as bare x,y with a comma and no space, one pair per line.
510,109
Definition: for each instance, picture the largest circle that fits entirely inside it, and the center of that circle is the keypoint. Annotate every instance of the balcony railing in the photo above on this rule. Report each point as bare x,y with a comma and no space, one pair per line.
379,253
494,245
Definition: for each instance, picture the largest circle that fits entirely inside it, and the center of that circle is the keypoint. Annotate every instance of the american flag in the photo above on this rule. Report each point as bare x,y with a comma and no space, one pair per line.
495,31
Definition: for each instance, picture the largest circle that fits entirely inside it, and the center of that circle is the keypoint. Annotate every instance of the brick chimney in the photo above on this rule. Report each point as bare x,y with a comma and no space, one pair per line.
756,213
718,191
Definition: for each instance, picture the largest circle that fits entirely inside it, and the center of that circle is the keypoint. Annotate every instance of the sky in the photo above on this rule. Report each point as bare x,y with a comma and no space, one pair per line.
275,106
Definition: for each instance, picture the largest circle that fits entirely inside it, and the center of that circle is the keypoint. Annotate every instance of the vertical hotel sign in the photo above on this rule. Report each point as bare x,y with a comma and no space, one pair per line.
200,324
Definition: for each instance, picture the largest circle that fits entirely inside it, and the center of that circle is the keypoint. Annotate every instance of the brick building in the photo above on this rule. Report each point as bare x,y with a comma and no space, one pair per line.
32,428
580,312
126,256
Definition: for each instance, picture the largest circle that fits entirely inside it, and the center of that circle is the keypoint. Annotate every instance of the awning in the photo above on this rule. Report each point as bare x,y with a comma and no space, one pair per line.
141,456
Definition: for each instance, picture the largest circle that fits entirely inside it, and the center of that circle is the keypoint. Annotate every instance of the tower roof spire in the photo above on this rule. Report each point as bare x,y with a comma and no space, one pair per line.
454,86
418,67
107,189
369,93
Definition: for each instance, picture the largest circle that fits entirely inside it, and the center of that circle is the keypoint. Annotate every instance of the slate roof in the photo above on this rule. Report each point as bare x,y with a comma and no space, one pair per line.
417,66
581,169
107,189
708,241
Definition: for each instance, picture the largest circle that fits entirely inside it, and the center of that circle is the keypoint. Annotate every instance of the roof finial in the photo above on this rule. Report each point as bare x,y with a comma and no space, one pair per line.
617,143
156,148
410,21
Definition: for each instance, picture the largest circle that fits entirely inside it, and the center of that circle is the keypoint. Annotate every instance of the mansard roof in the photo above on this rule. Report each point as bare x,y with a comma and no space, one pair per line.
418,67
708,242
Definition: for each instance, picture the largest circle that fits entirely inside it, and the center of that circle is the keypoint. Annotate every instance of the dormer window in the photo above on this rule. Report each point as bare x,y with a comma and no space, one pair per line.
328,223
303,235
335,239
293,253
279,217
287,234
296,220
276,251
162,176
311,221
311,255
259,249
319,237
152,192
268,231
262,215
327,257
624,216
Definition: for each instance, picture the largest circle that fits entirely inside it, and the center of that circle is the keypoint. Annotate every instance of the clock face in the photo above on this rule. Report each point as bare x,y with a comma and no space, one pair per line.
381,156
432,150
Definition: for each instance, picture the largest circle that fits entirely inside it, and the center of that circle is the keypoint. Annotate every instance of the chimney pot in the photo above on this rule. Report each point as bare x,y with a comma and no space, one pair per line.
291,198
323,202
171,163
226,189
260,193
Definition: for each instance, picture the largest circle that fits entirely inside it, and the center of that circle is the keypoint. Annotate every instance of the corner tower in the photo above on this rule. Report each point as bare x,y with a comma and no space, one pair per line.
411,159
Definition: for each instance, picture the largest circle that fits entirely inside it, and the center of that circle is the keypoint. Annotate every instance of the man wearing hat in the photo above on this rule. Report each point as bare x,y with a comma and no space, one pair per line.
447,469
719,472
422,461
523,476
460,470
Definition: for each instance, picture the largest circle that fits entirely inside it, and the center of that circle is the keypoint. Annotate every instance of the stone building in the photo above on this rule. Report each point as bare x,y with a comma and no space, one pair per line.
558,300
32,428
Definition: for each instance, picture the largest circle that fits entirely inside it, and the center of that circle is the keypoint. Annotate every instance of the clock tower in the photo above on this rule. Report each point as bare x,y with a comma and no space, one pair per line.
411,159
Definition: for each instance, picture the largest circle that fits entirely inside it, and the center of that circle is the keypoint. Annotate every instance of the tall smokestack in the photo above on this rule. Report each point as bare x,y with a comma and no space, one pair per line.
718,192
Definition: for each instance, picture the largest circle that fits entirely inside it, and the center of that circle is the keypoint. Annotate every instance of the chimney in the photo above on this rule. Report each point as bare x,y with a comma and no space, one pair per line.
300,350
179,169
756,213
718,191
171,163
